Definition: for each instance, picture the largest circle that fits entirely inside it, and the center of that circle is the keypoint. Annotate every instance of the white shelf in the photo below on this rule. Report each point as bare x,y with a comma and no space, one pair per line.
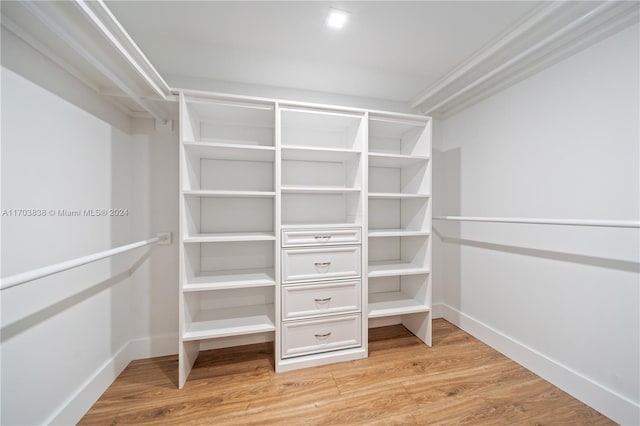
393,303
230,237
389,268
231,279
235,321
230,150
395,196
228,194
301,153
380,233
317,190
378,159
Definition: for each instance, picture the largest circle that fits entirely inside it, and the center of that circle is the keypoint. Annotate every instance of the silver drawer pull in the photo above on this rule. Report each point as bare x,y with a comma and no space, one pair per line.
322,237
322,336
326,299
320,264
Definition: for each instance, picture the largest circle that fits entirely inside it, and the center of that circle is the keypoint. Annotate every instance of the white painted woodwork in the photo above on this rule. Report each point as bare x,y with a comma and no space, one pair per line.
310,300
283,206
325,263
322,335
399,222
228,225
225,322
329,236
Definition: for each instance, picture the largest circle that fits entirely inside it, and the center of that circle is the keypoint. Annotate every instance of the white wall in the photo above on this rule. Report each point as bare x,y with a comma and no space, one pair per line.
563,301
155,159
66,337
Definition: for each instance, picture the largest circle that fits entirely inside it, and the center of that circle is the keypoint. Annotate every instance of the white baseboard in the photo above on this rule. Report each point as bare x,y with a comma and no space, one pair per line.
613,405
437,310
88,393
72,410
152,347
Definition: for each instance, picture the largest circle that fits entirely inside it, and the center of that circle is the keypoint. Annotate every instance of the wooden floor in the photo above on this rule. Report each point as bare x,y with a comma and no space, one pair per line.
458,381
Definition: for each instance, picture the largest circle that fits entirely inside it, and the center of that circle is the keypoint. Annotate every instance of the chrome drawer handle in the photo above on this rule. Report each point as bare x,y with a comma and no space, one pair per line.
319,264
322,237
326,299
322,336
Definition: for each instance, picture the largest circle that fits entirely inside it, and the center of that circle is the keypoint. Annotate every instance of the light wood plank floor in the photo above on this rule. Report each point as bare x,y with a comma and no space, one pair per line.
458,381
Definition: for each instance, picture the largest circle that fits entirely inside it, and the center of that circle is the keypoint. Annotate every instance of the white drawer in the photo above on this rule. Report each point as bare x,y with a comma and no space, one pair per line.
322,263
309,337
309,300
309,237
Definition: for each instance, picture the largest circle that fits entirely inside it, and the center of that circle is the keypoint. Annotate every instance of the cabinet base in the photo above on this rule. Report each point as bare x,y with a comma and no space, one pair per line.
315,360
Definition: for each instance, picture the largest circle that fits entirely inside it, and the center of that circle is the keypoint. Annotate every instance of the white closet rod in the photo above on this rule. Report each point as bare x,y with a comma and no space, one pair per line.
538,221
101,67
25,277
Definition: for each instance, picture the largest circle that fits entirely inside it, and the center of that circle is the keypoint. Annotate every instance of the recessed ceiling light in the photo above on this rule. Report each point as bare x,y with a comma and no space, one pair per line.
337,18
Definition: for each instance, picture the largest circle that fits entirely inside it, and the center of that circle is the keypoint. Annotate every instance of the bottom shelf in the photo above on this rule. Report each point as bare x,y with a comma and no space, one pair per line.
234,321
393,303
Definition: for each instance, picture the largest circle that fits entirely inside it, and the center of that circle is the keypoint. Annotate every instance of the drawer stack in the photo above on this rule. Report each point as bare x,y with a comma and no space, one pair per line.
321,291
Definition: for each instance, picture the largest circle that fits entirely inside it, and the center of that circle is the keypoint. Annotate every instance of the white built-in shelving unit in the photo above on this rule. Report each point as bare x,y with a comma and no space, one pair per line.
323,214
228,198
399,232
300,224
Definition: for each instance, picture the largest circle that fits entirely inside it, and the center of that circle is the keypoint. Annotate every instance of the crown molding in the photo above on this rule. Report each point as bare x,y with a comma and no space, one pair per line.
85,39
548,35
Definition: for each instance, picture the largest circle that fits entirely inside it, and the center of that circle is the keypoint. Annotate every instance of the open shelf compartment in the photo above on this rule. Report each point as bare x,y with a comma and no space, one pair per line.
225,313
399,217
393,135
228,218
228,122
228,151
398,295
409,180
311,128
204,171
321,171
322,208
391,256
228,265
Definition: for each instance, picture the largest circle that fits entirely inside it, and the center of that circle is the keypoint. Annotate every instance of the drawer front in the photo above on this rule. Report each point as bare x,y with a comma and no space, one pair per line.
310,337
313,237
325,263
309,300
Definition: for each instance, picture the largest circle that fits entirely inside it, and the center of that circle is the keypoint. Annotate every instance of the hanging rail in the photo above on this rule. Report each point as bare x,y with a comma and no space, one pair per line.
105,69
25,277
537,221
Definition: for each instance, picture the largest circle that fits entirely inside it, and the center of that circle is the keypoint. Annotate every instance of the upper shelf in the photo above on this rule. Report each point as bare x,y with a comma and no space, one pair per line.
223,150
395,196
318,128
377,159
213,193
303,153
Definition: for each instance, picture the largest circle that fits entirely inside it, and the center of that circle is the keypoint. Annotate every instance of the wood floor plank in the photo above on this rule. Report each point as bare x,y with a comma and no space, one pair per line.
459,380
459,411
